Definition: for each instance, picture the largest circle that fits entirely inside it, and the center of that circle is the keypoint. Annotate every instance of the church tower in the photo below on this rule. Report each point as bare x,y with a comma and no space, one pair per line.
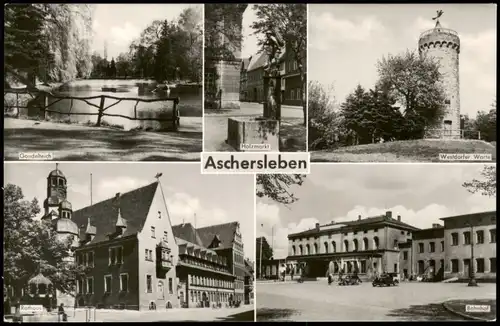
444,45
56,192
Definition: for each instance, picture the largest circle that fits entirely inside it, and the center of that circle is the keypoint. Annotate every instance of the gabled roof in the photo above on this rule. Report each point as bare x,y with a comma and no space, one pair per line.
245,63
134,207
258,61
225,232
187,232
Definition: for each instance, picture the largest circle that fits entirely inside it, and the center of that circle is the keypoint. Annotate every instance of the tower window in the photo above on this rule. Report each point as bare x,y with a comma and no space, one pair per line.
447,102
61,182
53,182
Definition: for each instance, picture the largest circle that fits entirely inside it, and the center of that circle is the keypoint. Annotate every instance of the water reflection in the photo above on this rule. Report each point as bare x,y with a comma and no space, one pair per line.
190,102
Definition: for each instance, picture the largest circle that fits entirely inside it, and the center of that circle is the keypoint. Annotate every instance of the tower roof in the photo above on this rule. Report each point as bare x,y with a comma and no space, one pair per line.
56,173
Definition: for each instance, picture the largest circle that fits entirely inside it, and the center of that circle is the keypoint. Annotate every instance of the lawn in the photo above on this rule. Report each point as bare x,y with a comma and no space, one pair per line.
422,150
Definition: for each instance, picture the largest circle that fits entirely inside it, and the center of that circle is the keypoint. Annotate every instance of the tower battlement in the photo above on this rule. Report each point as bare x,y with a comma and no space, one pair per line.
439,38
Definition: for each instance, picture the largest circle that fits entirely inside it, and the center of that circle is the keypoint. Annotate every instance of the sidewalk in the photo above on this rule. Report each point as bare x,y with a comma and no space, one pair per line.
458,307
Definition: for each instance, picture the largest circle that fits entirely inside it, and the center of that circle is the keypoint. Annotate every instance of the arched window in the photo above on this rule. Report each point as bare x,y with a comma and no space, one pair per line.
315,249
293,251
160,289
61,182
356,245
301,250
334,246
326,247
365,244
346,245
375,243
308,249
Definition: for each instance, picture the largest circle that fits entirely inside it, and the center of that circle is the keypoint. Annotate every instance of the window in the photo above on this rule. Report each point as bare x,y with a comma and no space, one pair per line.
405,255
493,265
442,245
480,237
402,232
79,286
454,239
395,268
480,265
115,255
170,286
420,247
292,94
365,231
467,238
395,243
454,265
149,283
153,235
85,259
124,282
90,285
421,267
432,247
375,230
165,236
107,283
363,266
375,243
160,289
149,255
493,236
90,259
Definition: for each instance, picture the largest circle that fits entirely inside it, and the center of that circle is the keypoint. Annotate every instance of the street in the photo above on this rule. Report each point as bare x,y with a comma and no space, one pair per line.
215,126
316,301
245,313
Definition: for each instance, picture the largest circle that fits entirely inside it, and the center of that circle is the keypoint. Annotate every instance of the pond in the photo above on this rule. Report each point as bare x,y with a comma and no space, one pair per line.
190,105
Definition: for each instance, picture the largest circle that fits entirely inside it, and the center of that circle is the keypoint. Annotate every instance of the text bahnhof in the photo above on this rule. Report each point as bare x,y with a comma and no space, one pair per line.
261,164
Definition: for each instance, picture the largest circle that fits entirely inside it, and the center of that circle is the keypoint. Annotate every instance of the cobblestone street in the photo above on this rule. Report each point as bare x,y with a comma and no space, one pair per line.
316,301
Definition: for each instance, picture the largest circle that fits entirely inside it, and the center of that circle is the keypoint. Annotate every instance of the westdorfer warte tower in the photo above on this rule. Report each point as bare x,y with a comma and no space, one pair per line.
444,45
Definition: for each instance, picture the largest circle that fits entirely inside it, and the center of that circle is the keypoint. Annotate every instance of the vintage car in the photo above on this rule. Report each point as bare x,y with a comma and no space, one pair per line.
385,280
349,280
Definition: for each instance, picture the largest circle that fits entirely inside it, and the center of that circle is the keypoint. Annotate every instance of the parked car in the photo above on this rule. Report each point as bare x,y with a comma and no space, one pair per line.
385,280
349,280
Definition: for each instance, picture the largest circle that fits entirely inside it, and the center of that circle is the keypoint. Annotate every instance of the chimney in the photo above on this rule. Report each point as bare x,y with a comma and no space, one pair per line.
399,218
317,226
436,226
359,217
117,195
388,214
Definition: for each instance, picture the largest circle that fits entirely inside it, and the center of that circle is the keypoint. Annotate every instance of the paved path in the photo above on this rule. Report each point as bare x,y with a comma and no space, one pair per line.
190,314
73,142
316,301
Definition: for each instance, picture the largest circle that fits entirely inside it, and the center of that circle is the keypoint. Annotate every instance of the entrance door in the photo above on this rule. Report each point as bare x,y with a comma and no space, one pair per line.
466,267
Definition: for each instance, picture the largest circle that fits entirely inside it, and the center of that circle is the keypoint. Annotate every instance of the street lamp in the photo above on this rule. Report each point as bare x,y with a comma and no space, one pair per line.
472,281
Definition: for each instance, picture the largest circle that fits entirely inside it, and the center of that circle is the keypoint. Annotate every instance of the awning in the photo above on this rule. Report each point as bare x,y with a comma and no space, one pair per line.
40,279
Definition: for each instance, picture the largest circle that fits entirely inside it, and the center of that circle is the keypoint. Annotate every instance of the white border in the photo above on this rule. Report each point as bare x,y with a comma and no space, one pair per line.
203,84
307,80
254,285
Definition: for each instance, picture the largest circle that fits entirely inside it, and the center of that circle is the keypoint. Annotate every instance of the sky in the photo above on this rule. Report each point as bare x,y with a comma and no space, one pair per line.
420,193
215,199
249,44
346,41
120,24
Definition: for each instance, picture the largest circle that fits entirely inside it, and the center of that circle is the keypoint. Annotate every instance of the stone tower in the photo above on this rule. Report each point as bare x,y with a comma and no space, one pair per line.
444,45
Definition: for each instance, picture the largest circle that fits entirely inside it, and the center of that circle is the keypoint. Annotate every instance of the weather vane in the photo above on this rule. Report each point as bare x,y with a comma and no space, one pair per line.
439,14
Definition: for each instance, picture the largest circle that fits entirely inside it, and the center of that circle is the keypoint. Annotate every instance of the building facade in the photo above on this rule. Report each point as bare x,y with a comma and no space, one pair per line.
444,45
292,86
383,244
368,246
255,78
211,269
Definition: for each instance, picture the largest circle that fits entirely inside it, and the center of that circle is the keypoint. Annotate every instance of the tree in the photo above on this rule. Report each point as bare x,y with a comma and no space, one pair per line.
31,246
415,82
267,253
323,131
287,22
486,124
191,23
353,110
275,186
487,186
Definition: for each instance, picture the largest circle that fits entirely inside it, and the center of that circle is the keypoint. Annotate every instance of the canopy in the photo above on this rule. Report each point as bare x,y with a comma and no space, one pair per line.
40,279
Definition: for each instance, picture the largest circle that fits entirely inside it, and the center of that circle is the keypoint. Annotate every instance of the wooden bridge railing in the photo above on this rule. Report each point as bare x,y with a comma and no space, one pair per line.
41,101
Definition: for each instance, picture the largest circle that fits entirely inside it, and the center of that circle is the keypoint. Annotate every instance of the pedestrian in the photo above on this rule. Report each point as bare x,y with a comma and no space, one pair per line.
62,313
291,273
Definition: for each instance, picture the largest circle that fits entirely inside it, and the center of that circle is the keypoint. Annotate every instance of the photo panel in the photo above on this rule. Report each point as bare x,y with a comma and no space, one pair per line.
377,242
144,242
402,83
103,82
255,77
